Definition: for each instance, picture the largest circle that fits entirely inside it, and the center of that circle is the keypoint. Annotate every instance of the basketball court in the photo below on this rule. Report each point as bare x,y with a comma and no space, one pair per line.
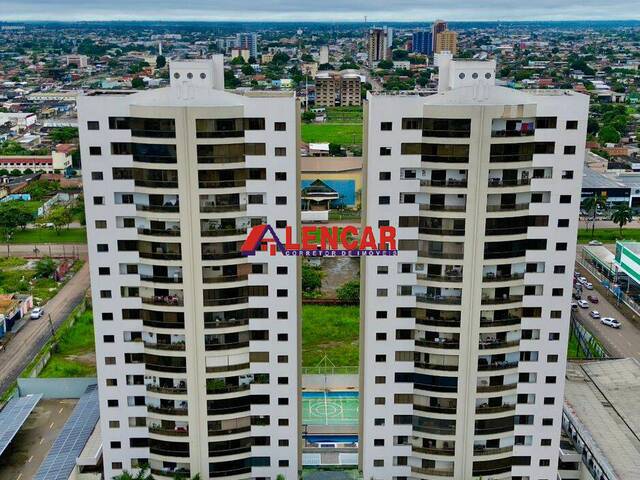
330,408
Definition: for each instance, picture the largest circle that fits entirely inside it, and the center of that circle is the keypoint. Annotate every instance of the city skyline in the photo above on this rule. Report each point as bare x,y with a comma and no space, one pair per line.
355,10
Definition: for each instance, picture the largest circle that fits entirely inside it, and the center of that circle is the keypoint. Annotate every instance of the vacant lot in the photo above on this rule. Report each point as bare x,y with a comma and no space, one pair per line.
75,354
332,331
344,115
49,235
342,134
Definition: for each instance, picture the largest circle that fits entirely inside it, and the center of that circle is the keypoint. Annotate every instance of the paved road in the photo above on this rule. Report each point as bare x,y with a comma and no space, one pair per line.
32,337
623,342
49,249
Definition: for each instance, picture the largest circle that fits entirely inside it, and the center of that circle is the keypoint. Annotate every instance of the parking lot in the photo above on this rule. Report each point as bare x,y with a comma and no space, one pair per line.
623,342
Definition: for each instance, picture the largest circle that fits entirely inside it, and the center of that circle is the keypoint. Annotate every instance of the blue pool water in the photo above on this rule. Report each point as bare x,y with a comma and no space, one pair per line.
331,438
330,394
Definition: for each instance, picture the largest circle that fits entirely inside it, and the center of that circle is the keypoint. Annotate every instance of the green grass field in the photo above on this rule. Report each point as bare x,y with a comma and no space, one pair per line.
330,410
332,331
344,115
49,235
608,235
73,356
343,134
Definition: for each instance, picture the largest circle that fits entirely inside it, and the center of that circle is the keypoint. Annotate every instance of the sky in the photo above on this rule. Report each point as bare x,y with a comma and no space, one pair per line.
317,10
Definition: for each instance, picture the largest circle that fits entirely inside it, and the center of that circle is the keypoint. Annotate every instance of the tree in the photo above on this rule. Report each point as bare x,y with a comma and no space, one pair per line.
349,292
45,267
230,80
59,217
622,214
247,69
161,61
325,66
63,134
143,474
591,204
335,149
311,278
608,134
385,64
137,82
306,57
308,116
9,221
238,60
280,58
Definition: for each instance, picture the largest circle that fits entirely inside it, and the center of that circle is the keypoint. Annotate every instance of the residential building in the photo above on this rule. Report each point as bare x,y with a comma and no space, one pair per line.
241,52
437,27
379,41
464,332
248,41
81,61
324,55
422,42
338,88
197,345
447,41
58,161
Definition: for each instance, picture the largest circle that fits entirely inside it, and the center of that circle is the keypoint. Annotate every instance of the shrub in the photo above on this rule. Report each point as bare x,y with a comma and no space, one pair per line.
349,292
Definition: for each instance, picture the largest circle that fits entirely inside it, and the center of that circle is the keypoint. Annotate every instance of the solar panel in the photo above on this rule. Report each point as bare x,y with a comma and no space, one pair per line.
62,456
13,416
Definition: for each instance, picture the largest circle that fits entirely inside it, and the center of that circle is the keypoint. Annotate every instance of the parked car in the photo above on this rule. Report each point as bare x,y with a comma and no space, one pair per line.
592,298
595,314
588,285
574,306
595,242
582,280
37,313
610,322
576,296
583,304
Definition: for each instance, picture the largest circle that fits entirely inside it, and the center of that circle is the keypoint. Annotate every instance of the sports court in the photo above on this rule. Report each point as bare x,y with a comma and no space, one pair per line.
330,408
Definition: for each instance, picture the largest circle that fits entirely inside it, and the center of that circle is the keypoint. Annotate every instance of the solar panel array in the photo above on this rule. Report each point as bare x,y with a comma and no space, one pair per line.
13,416
61,459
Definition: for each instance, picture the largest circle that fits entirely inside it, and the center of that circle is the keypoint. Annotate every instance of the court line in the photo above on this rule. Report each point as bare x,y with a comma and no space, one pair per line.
326,409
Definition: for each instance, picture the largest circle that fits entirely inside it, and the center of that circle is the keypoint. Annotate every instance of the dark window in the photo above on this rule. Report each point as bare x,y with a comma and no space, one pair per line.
552,358
96,176
412,123
112,403
105,293
546,122
572,124
280,151
98,200
281,176
569,149
120,148
280,126
554,336
281,223
282,270
95,151
565,198
104,271
101,224
102,247
281,200
119,123
283,337
108,338
107,316
282,315
386,126
93,125
385,176
385,151
563,222
544,147
384,200
561,246
550,379
545,442
381,314
558,269
557,292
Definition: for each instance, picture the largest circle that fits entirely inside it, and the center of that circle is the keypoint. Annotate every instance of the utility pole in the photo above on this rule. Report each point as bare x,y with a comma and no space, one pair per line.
53,332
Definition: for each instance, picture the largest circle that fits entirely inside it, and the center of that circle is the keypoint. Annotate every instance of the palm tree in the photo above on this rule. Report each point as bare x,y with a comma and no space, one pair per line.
622,214
143,474
592,204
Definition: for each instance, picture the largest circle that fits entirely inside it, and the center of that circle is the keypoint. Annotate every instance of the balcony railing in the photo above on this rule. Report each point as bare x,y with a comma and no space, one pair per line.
216,302
444,159
438,322
169,390
432,207
168,300
165,368
497,409
167,410
156,183
440,278
479,451
496,388
449,452
508,207
512,133
505,254
158,208
450,182
445,255
225,278
516,182
221,255
178,473
212,159
519,230
432,471
501,277
494,344
225,346
165,346
222,232
161,255
435,409
436,366
220,389
488,367
451,344
229,431
439,299
221,183
457,232
160,279
227,368
163,324
155,232
227,410
233,322
501,300
165,452
204,208
484,322
169,431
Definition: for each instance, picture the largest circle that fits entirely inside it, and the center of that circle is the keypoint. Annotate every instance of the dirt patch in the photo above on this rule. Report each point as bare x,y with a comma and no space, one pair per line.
337,271
88,358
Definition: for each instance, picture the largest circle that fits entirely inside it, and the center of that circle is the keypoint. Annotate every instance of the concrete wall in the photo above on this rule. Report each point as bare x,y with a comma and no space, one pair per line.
331,382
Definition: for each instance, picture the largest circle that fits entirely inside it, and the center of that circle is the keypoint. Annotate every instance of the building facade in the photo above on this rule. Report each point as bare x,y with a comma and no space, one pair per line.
379,41
248,41
338,88
422,42
437,27
196,344
447,41
464,333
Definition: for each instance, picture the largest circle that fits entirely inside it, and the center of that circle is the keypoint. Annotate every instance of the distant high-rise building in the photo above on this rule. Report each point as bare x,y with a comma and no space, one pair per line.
248,41
422,42
324,55
338,89
447,41
379,44
437,27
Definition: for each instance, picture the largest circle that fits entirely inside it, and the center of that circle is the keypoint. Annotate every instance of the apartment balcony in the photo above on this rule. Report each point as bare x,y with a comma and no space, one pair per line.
226,346
502,300
488,472
435,430
209,159
512,133
493,344
506,183
167,390
221,255
439,299
168,452
172,474
157,208
156,367
229,431
447,277
156,183
164,300
163,324
223,232
435,409
517,230
448,183
232,322
436,366
486,409
161,255
156,232
228,368
438,343
445,158
225,279
222,183
482,451
496,366
211,208
214,389
443,255
160,279
438,322
176,347
229,451
168,410
488,323
496,388
225,410
494,429
449,232
502,277
170,432
444,451
508,207
434,207
217,302
434,472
